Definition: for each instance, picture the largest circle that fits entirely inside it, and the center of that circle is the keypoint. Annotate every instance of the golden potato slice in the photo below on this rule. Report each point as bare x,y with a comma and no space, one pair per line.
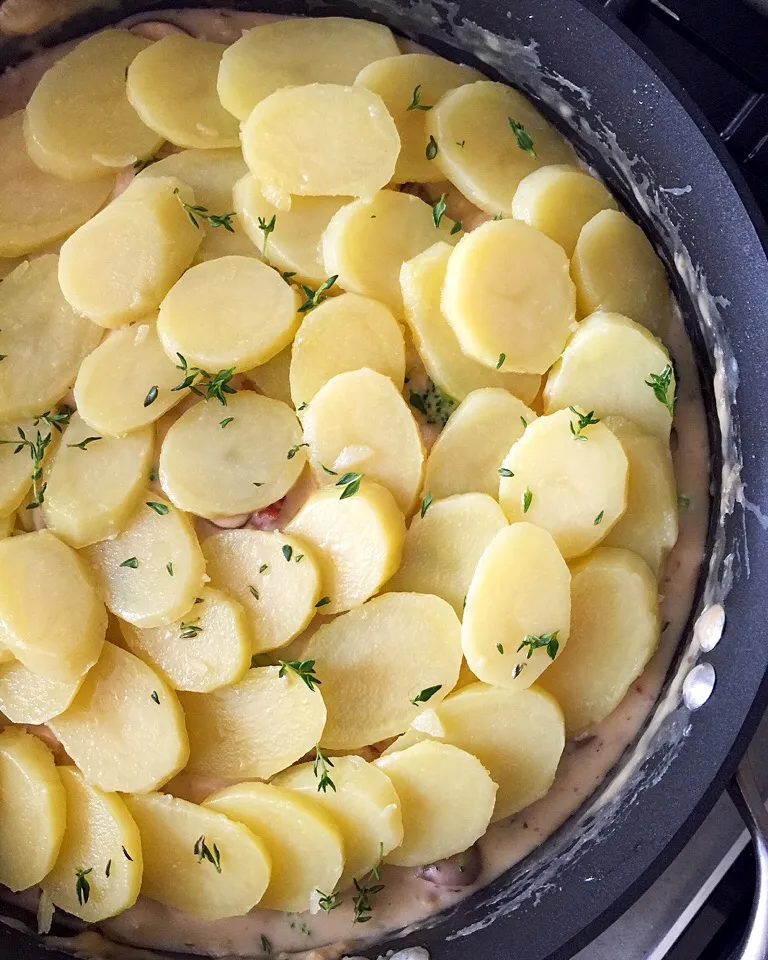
274,55
614,632
219,461
488,138
320,140
42,339
52,617
509,298
171,84
6,530
304,845
78,122
345,333
37,208
421,283
358,541
253,728
367,242
447,799
32,810
575,490
467,455
255,312
359,422
518,608
125,727
198,860
364,807
616,269
151,572
27,698
98,870
272,378
375,661
614,366
118,267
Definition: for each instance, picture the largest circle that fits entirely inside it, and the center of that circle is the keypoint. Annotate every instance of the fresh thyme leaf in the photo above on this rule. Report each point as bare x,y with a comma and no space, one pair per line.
256,484
524,422
426,694
599,518
660,384
498,217
254,591
457,226
438,210
416,103
203,852
519,667
431,151
225,421
190,629
84,443
316,297
323,602
298,558
303,668
108,869
159,508
58,419
351,483
127,855
302,406
266,946
320,770
527,499
327,901
683,502
287,551
295,449
426,503
500,361
460,143
266,227
583,420
169,568
197,211
522,136
209,386
151,395
500,647
333,473
154,696
263,568
82,886
548,641
131,562
505,472
361,903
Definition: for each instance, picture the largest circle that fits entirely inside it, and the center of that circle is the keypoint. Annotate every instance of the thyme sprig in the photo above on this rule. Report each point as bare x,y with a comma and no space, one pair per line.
548,641
320,769
361,903
524,140
305,669
351,483
266,227
82,886
583,420
660,383
316,297
203,852
210,386
416,103
327,901
196,212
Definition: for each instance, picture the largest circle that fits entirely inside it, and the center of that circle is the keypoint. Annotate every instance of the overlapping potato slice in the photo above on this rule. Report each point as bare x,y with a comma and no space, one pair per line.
509,298
32,810
118,267
42,339
274,55
275,578
253,728
151,572
99,867
320,140
518,608
16,468
614,366
6,530
273,377
198,860
614,632
358,422
28,698
78,122
304,845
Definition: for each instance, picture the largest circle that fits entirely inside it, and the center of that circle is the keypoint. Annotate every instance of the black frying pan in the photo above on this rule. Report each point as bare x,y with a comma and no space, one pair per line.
584,876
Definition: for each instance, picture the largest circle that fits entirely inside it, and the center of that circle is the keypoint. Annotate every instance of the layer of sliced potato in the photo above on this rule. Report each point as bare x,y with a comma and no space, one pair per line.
276,578
358,422
16,468
198,860
304,845
32,810
608,366
253,728
94,878
78,122
509,298
614,632
7,525
447,799
273,377
518,608
27,698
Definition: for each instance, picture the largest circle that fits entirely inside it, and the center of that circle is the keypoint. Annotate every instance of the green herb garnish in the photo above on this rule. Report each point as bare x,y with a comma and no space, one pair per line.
438,210
548,641
583,420
351,483
84,443
316,297
660,383
82,886
154,696
203,852
323,602
431,151
287,551
522,136
416,103
210,386
295,449
223,423
159,508
190,629
303,668
196,211
320,770
151,395
426,694
505,472
266,227
527,499
131,562
169,568
327,901
500,361
599,518
426,503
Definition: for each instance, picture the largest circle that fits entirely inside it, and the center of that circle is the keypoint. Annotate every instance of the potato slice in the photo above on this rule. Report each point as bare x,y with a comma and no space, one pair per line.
207,648
575,490
447,799
479,150
272,378
443,546
198,860
6,530
518,608
151,572
27,698
468,454
367,242
52,617
375,660
73,132
42,338
304,845
509,298
614,632
616,269
255,312
359,422
358,541
608,366
345,333
254,728
649,526
274,55
172,86
125,727
37,208
421,283
118,267
364,807
216,468
32,810
321,140
94,878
